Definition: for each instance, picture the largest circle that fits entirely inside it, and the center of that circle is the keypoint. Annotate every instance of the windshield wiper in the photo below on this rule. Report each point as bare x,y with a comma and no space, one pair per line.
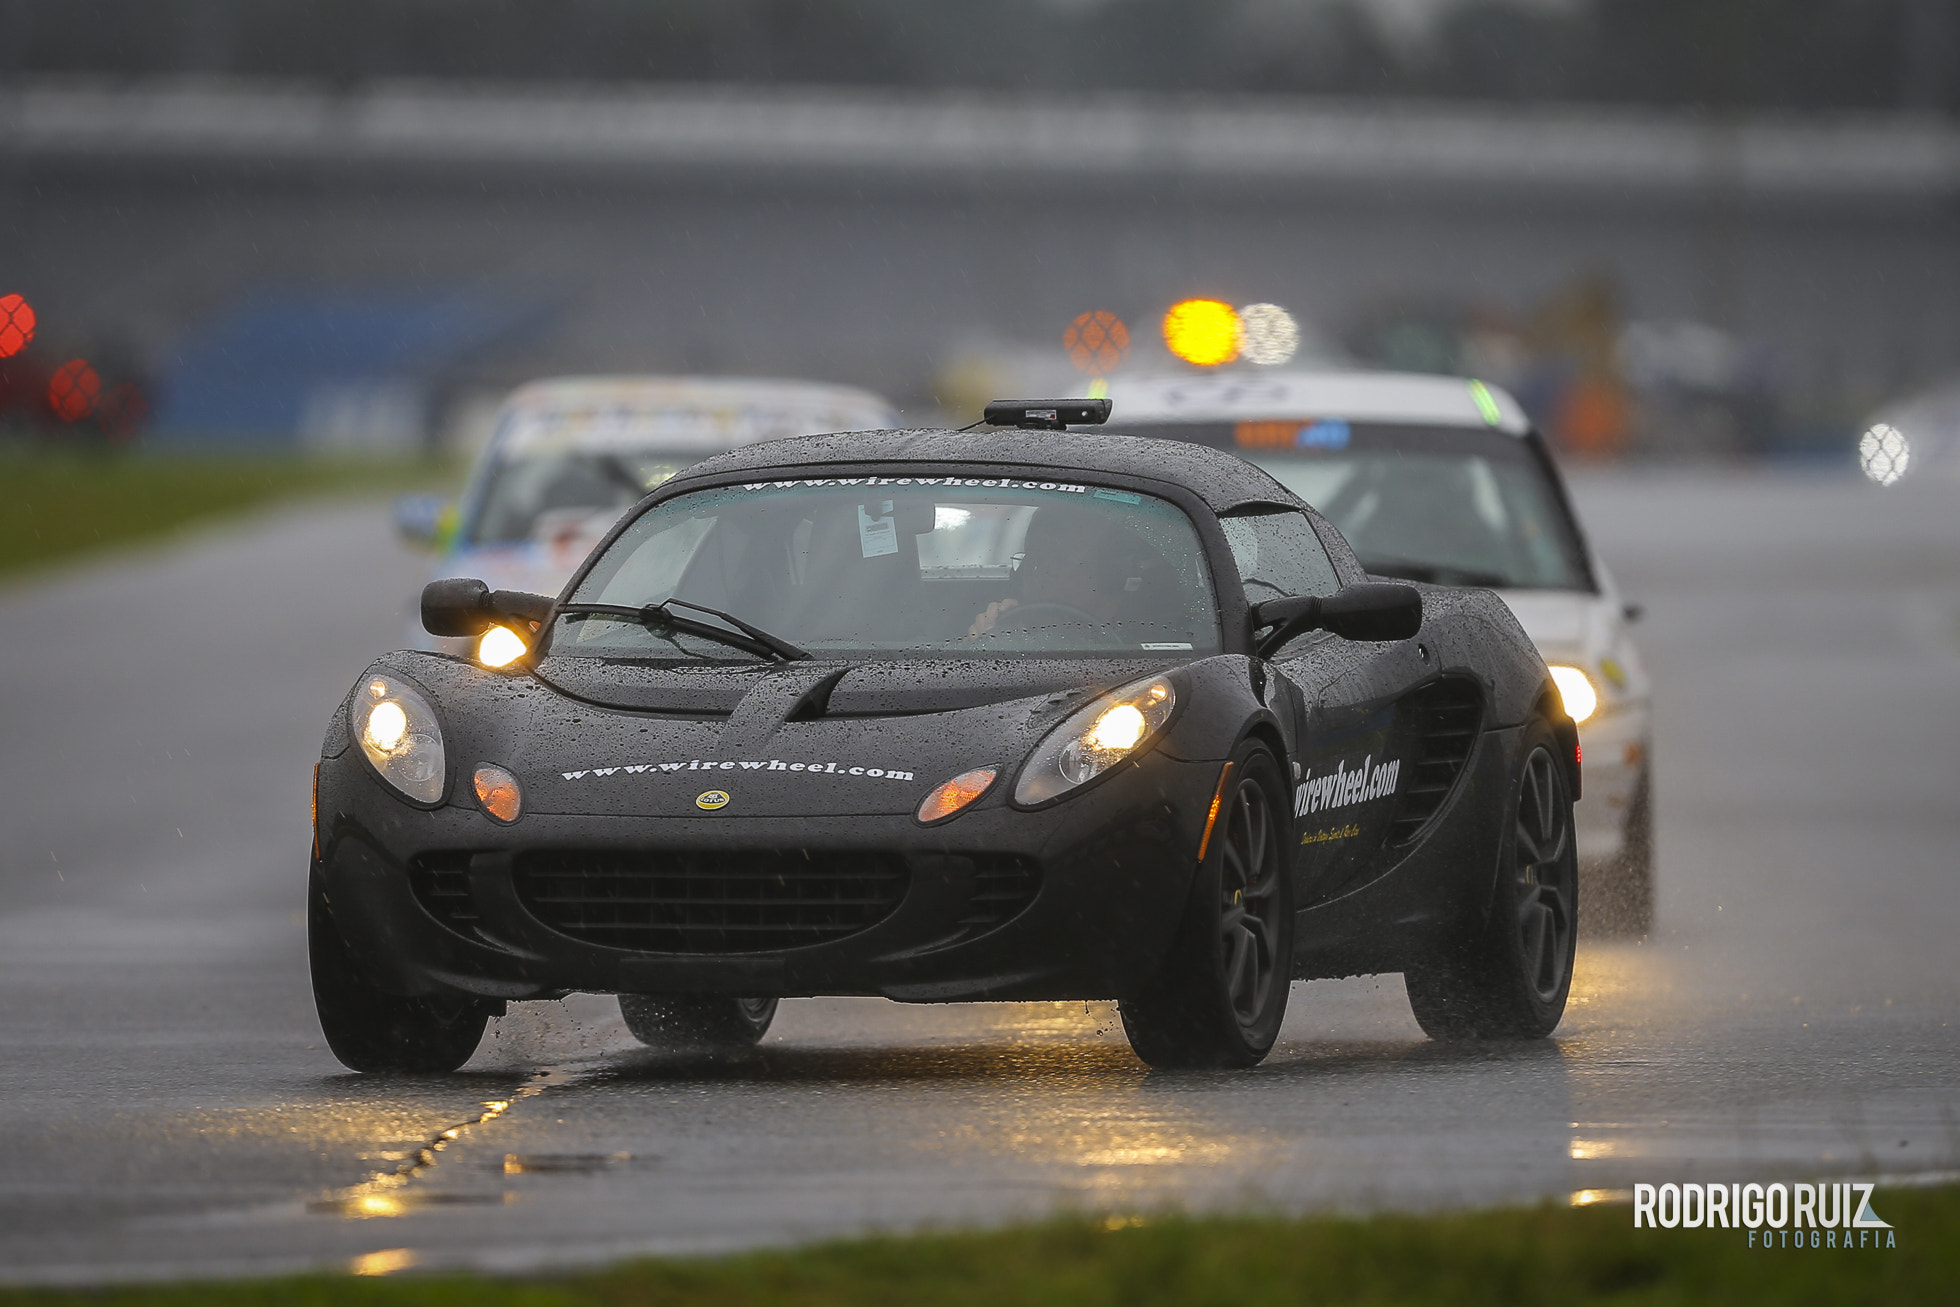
752,639
1408,569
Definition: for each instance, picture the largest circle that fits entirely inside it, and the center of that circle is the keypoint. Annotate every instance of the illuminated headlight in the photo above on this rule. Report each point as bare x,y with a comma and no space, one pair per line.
1576,688
1120,725
397,731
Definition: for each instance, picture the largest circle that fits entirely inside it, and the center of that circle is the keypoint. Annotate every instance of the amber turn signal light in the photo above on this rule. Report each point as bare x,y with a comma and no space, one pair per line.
954,796
496,790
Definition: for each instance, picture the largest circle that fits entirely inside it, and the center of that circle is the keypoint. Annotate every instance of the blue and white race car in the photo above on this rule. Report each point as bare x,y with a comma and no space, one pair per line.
568,455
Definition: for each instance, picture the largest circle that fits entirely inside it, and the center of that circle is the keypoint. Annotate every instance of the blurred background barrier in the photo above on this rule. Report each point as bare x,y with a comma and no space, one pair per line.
1711,230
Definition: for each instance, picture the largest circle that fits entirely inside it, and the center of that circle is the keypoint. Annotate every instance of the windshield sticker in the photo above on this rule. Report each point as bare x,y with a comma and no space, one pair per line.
991,483
719,765
1120,496
1167,644
1345,785
877,536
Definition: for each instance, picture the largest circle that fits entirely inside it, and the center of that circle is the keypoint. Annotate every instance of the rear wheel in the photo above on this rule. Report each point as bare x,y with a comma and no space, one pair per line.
369,1029
1220,997
710,1021
1509,980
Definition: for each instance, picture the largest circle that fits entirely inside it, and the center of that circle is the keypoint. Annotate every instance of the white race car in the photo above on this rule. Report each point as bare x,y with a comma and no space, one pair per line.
568,455
1443,479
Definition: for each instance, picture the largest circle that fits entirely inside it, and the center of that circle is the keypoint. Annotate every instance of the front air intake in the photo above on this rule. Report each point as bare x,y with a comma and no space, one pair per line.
746,901
441,884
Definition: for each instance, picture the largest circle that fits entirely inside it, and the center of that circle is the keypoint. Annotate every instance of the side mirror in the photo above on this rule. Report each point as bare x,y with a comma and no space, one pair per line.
469,607
1367,610
422,520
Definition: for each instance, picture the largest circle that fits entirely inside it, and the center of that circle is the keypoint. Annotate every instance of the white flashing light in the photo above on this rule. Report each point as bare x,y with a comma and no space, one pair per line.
1884,453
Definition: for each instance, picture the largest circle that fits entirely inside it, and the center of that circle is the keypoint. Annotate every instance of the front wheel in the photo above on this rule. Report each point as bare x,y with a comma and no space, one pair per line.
1221,994
1510,979
369,1029
698,1021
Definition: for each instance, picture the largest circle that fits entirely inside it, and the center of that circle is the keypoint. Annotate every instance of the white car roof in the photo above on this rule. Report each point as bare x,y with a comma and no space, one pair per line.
685,414
1414,398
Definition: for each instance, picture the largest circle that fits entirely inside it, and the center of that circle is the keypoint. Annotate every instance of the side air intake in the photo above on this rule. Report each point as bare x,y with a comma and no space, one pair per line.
1447,715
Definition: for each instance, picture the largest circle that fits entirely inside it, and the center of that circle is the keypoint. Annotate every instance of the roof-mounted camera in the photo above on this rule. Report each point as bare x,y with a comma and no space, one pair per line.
1047,414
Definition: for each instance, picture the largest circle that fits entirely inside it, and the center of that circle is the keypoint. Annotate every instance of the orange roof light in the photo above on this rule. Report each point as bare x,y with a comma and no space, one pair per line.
1097,342
16,325
1204,332
73,390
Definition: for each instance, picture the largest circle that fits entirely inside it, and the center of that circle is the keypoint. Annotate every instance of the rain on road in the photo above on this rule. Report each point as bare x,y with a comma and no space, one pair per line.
167,1105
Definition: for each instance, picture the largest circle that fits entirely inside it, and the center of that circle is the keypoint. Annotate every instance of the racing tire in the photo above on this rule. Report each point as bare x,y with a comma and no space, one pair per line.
374,1031
1620,899
698,1021
1220,996
1510,978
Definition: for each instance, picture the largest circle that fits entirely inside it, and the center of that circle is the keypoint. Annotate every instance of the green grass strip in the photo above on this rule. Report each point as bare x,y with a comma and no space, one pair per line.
55,506
1520,1257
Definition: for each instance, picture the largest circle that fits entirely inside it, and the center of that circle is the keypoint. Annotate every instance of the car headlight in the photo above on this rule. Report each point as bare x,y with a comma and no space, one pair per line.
1119,725
398,732
1576,688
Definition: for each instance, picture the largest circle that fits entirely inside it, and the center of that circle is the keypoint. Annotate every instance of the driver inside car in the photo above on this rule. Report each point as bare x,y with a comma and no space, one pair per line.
1069,562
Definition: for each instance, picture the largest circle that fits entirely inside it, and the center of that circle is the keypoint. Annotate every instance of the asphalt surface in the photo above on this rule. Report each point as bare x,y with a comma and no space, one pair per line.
167,1106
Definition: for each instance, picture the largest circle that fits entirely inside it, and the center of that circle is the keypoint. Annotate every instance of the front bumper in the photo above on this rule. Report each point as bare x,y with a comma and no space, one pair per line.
1102,882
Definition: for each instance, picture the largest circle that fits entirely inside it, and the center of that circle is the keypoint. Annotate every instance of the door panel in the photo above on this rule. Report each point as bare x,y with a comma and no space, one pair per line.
1355,741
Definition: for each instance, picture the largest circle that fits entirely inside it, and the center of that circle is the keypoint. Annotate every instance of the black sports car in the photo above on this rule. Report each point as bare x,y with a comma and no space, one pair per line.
1021,714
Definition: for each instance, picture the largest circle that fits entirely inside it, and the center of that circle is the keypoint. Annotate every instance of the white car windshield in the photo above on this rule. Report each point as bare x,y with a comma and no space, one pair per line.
1450,505
526,495
869,567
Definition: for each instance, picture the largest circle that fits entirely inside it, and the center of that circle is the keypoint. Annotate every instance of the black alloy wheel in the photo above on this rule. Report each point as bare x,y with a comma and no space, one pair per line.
368,1028
697,1022
1541,848
1220,997
1510,979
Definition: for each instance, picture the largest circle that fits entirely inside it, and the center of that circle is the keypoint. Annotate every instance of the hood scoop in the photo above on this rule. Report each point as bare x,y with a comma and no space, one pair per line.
698,690
798,694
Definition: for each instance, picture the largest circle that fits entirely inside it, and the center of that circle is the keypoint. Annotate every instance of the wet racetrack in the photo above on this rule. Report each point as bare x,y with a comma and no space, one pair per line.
167,1105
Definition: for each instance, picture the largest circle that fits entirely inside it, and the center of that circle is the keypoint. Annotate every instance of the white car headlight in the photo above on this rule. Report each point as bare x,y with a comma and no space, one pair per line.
397,731
1576,688
1119,725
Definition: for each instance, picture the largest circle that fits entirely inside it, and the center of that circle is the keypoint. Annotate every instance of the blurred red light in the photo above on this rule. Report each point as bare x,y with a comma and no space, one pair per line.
1097,342
73,390
16,325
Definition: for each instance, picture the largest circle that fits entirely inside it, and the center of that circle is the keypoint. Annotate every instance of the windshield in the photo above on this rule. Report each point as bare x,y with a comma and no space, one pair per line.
530,496
1451,505
873,567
